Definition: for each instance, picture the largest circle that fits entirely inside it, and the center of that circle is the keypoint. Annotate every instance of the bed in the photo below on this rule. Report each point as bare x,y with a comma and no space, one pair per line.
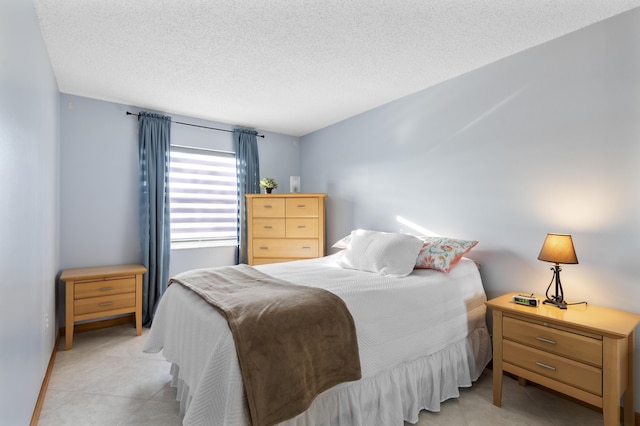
421,337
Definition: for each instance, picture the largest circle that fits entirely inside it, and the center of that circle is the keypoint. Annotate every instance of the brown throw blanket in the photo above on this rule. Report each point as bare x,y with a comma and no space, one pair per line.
293,342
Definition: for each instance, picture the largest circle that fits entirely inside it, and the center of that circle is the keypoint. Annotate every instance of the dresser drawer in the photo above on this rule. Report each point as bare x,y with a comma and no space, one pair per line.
295,248
560,342
268,207
104,287
270,260
268,228
302,207
302,228
104,303
570,372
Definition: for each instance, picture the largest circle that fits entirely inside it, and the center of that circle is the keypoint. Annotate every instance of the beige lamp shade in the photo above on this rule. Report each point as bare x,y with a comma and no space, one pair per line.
558,248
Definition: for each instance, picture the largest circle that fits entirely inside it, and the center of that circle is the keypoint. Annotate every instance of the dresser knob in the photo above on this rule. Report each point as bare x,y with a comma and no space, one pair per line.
106,303
106,288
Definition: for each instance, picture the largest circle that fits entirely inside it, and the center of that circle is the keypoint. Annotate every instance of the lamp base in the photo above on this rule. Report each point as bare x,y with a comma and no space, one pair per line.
558,298
556,301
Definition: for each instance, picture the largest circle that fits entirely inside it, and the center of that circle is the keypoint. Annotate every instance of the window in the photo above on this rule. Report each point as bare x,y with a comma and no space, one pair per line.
203,195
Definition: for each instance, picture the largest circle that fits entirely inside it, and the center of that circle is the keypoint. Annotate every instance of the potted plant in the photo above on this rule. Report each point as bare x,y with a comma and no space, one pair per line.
269,184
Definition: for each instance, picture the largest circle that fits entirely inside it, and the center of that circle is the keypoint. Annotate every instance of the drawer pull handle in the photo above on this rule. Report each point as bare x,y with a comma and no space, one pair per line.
264,248
268,227
302,206
106,303
106,288
542,339
306,248
543,365
301,226
267,206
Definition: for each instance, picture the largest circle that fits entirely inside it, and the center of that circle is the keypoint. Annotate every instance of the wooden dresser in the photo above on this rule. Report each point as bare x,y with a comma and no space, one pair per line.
101,292
583,351
285,227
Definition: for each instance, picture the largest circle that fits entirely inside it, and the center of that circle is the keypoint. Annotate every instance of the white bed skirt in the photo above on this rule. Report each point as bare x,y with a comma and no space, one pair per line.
389,397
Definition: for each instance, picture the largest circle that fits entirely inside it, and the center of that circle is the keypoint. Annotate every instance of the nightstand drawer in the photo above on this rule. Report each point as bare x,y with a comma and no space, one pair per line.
105,303
268,228
268,207
572,373
295,248
560,342
302,228
104,287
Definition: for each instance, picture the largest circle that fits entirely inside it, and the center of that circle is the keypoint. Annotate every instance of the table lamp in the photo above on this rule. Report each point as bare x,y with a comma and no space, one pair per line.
557,248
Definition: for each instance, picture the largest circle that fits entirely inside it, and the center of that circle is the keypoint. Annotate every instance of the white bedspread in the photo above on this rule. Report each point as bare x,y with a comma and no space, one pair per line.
420,337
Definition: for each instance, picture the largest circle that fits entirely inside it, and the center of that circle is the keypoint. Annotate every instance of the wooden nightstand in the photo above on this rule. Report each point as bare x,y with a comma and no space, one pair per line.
584,351
101,292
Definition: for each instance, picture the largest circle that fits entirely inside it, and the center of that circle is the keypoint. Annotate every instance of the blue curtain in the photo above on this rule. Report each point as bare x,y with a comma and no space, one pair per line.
154,148
248,171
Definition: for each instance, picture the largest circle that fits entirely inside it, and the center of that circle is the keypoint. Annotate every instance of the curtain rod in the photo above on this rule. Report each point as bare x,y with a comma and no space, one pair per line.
196,125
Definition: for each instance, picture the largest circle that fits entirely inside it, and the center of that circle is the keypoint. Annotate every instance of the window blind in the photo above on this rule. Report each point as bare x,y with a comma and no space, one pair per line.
203,195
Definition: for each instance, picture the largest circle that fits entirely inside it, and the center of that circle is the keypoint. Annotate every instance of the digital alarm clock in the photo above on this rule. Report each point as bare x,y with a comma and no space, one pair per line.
526,300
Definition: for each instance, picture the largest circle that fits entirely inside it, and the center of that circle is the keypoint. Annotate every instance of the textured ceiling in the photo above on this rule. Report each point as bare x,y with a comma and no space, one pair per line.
289,66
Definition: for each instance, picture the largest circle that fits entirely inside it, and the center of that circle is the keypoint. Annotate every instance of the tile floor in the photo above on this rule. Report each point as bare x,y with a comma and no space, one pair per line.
106,379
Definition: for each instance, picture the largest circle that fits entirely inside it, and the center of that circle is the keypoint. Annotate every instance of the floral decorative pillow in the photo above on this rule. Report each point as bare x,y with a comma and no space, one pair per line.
442,253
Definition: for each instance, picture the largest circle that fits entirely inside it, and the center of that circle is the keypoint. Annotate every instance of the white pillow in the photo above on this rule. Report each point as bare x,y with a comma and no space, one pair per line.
343,242
389,254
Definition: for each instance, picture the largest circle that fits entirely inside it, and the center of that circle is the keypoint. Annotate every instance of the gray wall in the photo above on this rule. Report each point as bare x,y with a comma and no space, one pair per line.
99,175
29,232
547,140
